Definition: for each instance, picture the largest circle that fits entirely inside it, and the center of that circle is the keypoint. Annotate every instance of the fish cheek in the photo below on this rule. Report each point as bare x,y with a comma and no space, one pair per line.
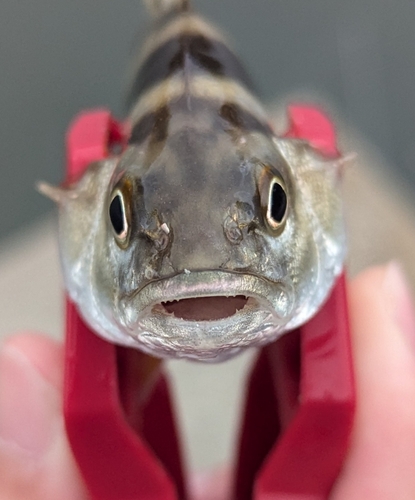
81,232
76,220
106,269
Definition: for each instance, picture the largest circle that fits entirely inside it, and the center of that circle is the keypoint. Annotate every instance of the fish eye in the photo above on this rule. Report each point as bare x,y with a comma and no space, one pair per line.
277,204
118,217
273,197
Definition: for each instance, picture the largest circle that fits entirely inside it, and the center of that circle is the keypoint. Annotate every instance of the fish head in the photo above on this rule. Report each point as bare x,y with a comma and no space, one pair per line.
209,245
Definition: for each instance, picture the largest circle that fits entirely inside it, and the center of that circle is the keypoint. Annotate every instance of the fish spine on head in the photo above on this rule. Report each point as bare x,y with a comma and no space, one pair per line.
160,7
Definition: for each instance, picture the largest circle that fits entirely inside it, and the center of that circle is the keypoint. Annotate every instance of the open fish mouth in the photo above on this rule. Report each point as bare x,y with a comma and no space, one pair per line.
205,308
207,315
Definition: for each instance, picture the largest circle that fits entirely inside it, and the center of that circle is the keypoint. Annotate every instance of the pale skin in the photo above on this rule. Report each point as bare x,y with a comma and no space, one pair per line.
36,462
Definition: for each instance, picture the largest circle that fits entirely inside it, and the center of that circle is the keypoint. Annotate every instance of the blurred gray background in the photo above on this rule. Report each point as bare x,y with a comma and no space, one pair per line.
58,57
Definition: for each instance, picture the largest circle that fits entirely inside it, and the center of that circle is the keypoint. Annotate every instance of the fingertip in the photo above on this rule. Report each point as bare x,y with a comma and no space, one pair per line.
42,352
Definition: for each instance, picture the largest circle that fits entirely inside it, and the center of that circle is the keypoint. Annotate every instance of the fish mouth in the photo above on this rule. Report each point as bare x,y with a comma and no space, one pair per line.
206,315
205,308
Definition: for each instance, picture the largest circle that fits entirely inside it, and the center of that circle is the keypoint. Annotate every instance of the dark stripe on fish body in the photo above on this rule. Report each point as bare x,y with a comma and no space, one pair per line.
154,124
242,119
200,51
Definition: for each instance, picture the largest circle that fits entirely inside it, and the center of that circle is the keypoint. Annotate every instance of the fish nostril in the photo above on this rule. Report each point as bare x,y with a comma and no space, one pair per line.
240,216
159,233
162,242
232,230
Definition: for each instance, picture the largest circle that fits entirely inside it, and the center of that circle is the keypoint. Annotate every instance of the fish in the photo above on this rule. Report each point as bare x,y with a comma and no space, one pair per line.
209,233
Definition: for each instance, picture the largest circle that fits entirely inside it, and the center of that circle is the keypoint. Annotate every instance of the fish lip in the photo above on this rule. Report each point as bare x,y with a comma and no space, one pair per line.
209,283
161,334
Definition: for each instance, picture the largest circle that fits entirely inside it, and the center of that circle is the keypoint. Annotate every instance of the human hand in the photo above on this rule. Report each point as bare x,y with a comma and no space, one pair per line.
36,461
381,459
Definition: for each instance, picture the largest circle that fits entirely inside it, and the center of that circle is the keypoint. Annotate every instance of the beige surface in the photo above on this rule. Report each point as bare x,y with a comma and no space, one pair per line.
381,226
380,215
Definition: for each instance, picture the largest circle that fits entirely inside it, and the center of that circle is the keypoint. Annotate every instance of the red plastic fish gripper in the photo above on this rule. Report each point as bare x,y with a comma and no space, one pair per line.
300,396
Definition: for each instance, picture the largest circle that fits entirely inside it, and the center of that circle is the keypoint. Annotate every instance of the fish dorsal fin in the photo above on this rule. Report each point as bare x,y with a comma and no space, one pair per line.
159,8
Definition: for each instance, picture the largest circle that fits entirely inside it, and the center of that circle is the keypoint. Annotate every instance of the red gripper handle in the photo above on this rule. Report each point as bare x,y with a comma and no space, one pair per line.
118,460
301,396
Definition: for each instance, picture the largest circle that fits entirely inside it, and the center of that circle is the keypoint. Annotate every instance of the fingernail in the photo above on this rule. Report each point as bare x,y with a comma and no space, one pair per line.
28,405
399,300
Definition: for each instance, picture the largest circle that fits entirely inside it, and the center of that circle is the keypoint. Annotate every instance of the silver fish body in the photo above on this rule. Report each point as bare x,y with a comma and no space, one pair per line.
208,234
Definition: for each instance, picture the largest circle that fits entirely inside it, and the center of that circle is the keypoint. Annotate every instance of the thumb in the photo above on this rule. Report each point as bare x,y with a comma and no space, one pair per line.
382,453
35,457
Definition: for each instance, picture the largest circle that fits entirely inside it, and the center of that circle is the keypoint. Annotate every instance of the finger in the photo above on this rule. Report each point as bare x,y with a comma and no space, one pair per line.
380,464
35,458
